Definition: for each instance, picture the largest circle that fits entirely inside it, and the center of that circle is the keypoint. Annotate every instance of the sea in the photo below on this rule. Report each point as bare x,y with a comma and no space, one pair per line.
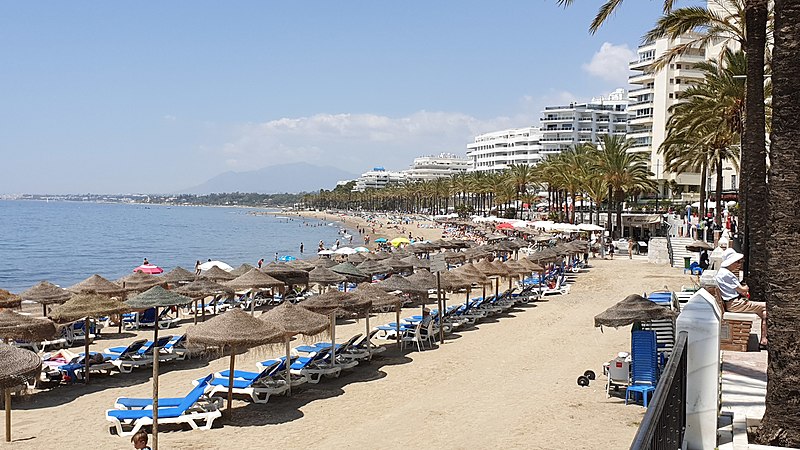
65,242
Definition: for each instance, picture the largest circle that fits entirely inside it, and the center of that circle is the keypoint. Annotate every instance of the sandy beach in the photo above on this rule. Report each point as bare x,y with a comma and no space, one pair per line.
508,382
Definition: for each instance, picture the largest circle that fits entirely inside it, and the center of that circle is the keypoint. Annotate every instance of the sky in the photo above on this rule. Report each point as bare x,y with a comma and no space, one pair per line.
113,97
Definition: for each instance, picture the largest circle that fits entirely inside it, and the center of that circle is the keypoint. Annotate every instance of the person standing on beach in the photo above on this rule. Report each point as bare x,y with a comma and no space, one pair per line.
260,262
197,268
276,256
630,247
301,248
146,262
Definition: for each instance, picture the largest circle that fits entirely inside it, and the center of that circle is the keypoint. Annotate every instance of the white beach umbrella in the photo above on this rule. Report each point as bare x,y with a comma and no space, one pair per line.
325,252
224,266
590,227
345,251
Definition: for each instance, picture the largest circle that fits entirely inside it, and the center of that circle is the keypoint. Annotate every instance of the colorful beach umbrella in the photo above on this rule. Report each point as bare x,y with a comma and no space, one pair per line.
381,240
152,269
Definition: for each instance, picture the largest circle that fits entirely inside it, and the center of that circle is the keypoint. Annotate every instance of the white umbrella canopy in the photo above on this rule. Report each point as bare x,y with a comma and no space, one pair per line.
590,227
325,252
209,264
345,251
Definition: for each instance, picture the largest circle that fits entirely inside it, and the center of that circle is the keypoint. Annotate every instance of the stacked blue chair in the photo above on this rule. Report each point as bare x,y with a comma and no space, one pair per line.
644,370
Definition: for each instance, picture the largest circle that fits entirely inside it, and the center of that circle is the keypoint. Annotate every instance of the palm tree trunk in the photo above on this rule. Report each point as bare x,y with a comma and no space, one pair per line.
703,177
718,193
610,196
781,418
618,201
753,187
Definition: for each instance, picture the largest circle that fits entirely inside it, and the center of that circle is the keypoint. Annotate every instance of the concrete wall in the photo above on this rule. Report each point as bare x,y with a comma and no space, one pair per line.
657,252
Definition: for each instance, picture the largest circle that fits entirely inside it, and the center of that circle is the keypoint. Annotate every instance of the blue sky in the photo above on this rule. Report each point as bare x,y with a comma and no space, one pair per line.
111,97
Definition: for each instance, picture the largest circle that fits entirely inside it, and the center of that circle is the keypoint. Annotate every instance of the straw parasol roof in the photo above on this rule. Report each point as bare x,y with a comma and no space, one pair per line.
302,265
45,293
17,366
87,305
356,258
325,262
516,267
489,269
96,284
452,257
335,301
397,283
254,279
350,271
9,300
177,275
471,273
25,328
422,278
294,319
203,287
418,263
235,329
530,265
545,255
285,273
422,247
379,297
634,308
373,266
699,246
451,281
139,281
217,274
241,270
323,276
157,297
476,252
397,264
379,255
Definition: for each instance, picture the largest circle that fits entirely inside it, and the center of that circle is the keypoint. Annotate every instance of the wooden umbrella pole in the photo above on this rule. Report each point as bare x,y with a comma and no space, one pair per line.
203,309
195,312
333,339
439,305
369,344
230,384
7,400
44,310
155,383
253,303
397,324
86,350
288,366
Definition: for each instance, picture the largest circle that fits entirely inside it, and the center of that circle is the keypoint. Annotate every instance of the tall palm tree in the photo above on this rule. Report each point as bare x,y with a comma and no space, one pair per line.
608,9
520,176
623,172
779,425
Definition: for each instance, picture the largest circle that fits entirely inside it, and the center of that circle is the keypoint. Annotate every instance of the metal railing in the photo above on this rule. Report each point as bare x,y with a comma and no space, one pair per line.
664,423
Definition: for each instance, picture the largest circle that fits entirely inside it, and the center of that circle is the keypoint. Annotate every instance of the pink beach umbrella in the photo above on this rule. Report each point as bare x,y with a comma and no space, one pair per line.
152,269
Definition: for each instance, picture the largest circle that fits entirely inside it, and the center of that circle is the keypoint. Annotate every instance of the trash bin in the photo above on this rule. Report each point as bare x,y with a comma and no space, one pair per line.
687,263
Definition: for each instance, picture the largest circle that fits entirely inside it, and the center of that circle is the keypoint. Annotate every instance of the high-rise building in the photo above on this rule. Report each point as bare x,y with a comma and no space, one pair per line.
655,91
378,178
566,125
443,165
498,150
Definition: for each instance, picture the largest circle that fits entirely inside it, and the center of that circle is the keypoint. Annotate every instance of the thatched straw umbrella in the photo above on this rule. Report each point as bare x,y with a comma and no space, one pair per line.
200,289
380,299
45,293
324,262
97,285
335,302
237,331
515,269
492,271
217,274
156,297
25,328
350,271
356,258
177,275
302,265
325,277
398,283
16,367
379,255
374,267
86,307
287,274
634,308
293,320
241,270
471,274
397,265
254,279
9,300
417,263
139,281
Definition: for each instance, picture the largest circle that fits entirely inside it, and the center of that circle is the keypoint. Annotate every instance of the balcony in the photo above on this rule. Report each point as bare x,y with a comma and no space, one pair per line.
584,119
641,91
640,63
555,139
641,78
641,120
557,119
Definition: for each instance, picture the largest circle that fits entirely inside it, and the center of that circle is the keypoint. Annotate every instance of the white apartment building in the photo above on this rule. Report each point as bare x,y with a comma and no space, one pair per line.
567,125
378,178
443,165
653,93
498,150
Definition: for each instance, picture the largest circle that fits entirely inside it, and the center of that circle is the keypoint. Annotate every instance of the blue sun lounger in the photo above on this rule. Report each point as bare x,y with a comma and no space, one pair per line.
194,410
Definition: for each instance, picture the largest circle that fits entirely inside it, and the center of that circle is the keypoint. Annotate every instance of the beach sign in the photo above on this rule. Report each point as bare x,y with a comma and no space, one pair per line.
438,263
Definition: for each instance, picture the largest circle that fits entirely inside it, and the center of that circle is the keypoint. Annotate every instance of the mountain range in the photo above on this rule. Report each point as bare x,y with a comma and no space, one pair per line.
281,178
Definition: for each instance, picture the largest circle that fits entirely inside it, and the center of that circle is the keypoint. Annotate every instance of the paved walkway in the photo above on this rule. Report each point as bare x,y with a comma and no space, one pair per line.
744,387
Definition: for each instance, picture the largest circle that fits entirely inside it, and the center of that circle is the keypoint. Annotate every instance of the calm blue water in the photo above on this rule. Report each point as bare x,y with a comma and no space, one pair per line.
65,242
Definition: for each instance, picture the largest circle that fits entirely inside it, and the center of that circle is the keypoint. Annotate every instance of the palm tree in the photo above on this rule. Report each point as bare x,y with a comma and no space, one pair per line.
520,176
608,9
623,172
779,425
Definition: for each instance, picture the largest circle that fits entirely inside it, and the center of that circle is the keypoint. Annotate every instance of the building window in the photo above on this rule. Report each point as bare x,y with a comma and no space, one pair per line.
677,81
671,81
671,95
733,182
678,66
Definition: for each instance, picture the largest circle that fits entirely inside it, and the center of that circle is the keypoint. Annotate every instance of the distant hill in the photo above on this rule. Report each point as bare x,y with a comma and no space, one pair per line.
293,178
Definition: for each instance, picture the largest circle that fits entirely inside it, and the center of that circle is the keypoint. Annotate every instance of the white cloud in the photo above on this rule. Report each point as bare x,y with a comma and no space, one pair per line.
610,63
356,142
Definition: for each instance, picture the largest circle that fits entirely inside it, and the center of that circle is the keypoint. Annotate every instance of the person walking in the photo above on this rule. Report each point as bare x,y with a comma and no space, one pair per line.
197,268
301,248
630,247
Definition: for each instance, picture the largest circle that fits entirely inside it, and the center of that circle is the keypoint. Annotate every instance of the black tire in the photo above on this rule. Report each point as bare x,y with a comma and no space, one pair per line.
590,375
583,381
